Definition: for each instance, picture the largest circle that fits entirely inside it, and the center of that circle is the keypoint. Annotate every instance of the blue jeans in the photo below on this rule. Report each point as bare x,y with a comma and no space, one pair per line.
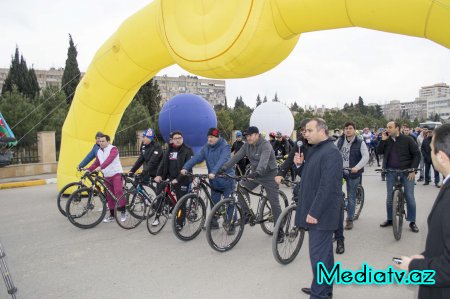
221,186
352,185
408,187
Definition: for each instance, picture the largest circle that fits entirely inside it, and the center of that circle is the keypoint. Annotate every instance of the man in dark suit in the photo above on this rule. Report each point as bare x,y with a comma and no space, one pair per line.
436,256
320,197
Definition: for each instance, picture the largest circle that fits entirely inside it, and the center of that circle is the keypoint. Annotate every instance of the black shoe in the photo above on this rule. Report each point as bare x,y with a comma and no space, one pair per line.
308,291
340,248
280,237
420,180
178,227
426,183
413,227
386,223
231,230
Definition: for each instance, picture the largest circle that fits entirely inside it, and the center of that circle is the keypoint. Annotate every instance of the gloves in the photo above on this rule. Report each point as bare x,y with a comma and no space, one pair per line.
78,168
130,174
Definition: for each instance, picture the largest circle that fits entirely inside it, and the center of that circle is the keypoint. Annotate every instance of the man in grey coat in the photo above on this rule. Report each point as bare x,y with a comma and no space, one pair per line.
263,168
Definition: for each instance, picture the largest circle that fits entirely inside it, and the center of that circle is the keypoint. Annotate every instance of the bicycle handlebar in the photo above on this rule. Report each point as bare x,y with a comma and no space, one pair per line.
397,170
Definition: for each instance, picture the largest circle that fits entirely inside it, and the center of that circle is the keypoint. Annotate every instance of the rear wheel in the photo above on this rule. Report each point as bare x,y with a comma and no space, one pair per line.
86,208
286,251
359,201
230,225
64,195
397,214
195,216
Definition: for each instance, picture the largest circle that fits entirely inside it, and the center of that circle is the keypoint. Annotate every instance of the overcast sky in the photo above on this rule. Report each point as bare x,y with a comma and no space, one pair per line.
326,68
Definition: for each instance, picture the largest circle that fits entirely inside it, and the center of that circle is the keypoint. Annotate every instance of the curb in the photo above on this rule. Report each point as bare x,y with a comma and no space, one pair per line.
27,183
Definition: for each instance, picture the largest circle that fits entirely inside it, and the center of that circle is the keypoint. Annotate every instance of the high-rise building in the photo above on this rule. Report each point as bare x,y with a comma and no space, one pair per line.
211,90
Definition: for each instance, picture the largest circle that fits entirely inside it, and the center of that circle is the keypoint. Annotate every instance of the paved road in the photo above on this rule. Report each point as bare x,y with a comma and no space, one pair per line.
50,258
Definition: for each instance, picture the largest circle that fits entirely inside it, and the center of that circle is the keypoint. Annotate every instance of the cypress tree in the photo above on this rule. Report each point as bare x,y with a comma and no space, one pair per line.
71,75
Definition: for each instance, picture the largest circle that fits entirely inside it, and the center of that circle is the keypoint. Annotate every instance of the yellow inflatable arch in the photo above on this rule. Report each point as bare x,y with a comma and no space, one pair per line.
219,39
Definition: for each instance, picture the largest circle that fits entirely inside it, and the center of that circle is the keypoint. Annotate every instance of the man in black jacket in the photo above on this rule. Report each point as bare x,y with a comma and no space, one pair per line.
320,200
400,152
242,164
426,153
436,256
151,155
170,168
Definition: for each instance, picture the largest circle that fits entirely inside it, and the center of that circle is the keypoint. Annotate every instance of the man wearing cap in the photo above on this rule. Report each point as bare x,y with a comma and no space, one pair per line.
93,153
150,155
263,168
281,147
215,152
242,164
172,162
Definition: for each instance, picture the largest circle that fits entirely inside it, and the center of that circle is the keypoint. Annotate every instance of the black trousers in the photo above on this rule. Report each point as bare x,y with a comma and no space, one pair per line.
320,250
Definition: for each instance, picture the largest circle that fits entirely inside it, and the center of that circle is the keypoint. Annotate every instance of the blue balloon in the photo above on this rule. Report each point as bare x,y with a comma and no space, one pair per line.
190,114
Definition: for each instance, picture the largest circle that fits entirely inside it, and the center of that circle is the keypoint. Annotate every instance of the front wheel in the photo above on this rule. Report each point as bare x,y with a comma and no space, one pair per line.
285,252
195,215
397,213
359,201
86,208
266,215
228,218
158,214
64,195
130,209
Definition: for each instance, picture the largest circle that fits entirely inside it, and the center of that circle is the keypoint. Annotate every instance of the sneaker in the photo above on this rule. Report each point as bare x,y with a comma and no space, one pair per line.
178,227
340,248
413,227
109,219
123,216
155,222
386,223
231,230
348,225
280,236
214,224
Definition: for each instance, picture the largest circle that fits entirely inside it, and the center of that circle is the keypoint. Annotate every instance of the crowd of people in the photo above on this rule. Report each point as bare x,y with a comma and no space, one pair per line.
321,161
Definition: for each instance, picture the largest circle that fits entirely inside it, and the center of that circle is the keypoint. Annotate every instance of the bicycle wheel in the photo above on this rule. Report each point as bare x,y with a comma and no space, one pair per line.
230,220
158,214
285,252
134,211
195,216
265,212
359,201
397,213
65,193
86,208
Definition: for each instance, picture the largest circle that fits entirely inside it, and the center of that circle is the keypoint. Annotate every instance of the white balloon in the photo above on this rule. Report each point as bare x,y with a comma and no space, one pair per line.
273,117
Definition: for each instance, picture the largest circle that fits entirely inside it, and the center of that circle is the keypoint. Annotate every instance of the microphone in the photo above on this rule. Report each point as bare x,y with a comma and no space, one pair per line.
299,144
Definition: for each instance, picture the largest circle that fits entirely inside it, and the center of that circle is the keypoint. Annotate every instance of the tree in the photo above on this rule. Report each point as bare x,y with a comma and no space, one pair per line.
71,75
20,76
294,107
265,99
150,97
135,117
239,103
225,123
258,100
275,99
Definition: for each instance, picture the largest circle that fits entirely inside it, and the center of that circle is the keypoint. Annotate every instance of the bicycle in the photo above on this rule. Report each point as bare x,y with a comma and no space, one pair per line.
360,196
286,251
67,190
289,176
398,200
10,288
229,213
195,204
161,209
138,198
82,208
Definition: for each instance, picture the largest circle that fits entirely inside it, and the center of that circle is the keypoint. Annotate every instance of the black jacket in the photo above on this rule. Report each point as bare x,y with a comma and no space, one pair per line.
426,150
151,155
407,150
184,154
321,187
437,248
